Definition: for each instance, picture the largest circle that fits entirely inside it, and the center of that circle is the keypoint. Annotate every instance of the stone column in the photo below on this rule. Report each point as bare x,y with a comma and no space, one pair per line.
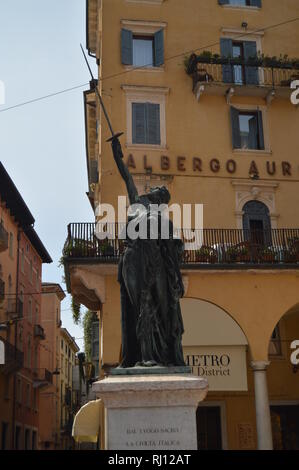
263,417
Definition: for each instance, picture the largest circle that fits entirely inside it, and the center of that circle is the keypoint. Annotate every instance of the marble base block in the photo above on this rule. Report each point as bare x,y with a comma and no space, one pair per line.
151,412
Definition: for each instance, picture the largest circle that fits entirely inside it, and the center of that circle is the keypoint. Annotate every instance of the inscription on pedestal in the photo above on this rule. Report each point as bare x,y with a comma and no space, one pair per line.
169,428
151,437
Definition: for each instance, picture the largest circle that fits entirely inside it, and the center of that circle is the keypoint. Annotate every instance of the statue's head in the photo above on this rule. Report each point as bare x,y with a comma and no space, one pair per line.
159,195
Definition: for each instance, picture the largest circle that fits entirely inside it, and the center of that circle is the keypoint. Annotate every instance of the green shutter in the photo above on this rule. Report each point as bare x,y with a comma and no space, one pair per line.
126,47
251,73
223,2
153,124
256,3
226,49
159,48
235,123
261,139
253,134
139,123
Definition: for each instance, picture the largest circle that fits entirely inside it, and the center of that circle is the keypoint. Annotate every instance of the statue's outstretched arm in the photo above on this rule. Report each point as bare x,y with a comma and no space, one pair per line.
124,172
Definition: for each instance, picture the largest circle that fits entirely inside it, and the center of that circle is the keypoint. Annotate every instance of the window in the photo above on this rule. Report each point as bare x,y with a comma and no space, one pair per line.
20,338
18,438
146,118
27,439
275,343
146,123
29,352
19,391
37,279
28,396
239,74
36,313
30,310
31,272
142,50
247,129
11,245
242,3
4,436
22,260
34,440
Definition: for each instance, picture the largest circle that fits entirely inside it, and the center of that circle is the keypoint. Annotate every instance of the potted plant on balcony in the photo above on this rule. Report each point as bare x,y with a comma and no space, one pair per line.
267,255
206,254
105,248
239,253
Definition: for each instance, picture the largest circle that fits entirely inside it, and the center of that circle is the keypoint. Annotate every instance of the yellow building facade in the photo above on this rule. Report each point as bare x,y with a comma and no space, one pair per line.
68,351
218,130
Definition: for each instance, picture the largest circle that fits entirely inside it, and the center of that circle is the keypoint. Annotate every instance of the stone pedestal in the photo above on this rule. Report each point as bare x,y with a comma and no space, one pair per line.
151,412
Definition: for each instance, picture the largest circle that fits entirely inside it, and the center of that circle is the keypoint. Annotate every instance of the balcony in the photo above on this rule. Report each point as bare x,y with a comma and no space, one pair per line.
42,378
14,359
39,332
2,290
215,248
14,309
263,78
3,238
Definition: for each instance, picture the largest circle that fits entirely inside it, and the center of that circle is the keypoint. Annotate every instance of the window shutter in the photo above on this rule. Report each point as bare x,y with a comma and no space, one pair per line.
253,132
126,47
139,123
260,130
159,48
256,3
223,2
235,128
226,49
251,73
153,124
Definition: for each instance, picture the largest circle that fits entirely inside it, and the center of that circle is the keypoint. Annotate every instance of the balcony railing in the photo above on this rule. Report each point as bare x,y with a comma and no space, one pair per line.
14,309
214,247
14,359
42,378
2,290
39,332
240,74
3,238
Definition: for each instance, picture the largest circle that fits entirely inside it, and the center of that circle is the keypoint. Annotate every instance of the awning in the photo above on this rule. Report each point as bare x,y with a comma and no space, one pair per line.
87,422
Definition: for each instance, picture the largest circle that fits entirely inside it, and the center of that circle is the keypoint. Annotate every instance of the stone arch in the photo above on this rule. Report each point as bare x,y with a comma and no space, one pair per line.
214,343
257,191
281,333
221,311
256,210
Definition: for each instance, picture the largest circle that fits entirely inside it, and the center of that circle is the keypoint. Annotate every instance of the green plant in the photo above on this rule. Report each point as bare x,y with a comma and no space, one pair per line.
76,309
89,318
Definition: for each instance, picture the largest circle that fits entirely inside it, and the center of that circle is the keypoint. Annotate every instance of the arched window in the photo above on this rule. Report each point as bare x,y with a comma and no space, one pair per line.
257,222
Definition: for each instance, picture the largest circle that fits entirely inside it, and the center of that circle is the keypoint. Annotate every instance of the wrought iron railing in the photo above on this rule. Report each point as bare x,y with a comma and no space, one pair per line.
3,238
39,332
206,246
13,359
42,377
235,73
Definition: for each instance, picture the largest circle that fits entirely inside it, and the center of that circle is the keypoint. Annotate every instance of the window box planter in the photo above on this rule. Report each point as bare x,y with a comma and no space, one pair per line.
206,254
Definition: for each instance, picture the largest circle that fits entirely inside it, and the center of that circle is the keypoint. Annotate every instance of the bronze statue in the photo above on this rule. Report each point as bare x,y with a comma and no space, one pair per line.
151,286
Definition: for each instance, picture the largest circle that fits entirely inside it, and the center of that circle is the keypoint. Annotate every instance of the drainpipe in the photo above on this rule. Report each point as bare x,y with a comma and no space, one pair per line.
15,344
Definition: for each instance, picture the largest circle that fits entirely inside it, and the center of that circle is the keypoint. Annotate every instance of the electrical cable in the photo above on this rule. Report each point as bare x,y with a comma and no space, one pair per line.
134,69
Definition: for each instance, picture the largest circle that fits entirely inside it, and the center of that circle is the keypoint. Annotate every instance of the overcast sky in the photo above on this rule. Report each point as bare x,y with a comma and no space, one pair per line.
42,145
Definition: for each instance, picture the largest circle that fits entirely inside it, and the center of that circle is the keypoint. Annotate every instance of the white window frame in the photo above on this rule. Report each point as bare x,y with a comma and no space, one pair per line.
264,110
139,94
144,28
239,35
